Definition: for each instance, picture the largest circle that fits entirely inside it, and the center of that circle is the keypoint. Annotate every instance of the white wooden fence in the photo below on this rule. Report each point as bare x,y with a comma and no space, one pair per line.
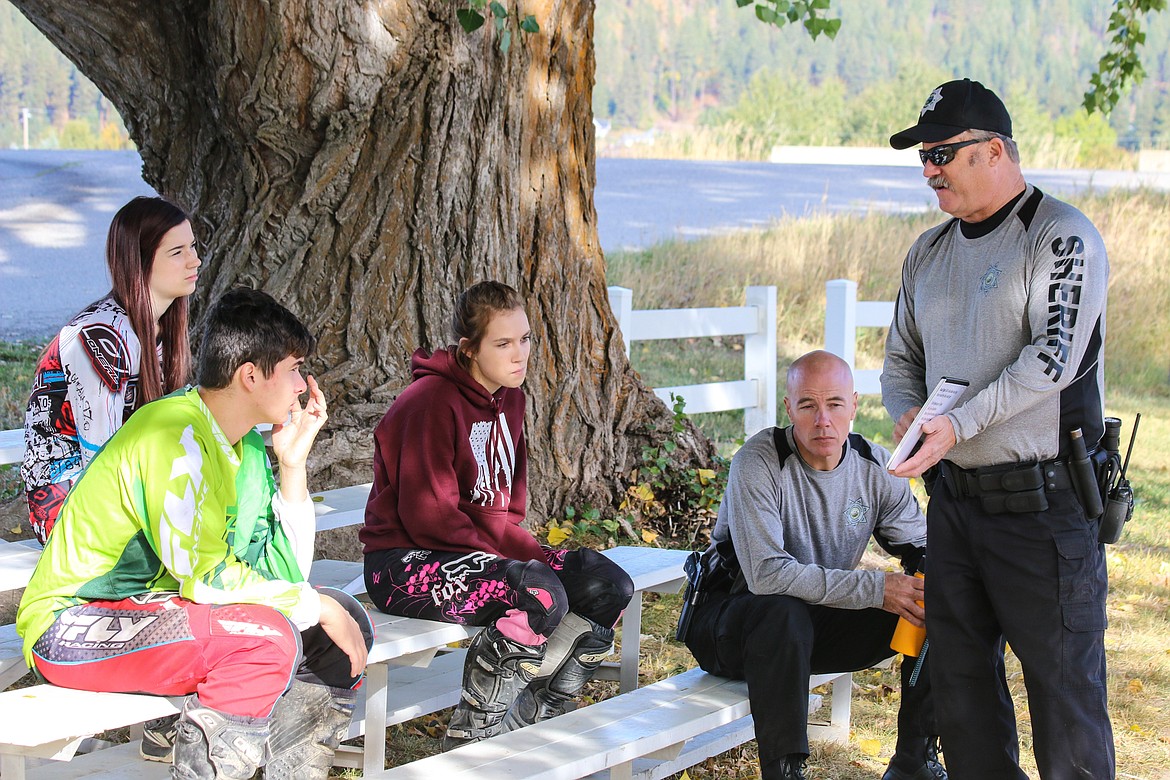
755,321
844,314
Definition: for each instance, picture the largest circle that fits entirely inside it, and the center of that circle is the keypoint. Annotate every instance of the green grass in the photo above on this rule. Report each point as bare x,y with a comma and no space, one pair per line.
17,360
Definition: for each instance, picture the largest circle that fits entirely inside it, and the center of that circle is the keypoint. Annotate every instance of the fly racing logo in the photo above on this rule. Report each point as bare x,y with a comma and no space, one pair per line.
530,668
240,628
592,658
94,631
154,597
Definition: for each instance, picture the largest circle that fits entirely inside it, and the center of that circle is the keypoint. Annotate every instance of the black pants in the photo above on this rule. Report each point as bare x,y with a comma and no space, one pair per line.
322,661
776,642
1038,581
526,600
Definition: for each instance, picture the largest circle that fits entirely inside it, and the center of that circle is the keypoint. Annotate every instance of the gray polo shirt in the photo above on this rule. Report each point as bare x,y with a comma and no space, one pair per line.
1020,314
801,532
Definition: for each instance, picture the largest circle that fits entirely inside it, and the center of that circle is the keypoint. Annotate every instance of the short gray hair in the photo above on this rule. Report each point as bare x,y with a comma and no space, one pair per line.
1013,150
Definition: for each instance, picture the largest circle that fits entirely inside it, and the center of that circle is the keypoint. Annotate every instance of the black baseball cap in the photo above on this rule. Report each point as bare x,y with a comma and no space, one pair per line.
954,108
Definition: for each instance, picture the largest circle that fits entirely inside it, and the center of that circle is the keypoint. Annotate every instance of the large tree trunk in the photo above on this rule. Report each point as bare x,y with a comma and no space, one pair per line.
366,161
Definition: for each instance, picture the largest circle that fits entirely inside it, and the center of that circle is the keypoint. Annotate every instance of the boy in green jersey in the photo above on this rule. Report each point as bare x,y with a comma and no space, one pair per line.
177,567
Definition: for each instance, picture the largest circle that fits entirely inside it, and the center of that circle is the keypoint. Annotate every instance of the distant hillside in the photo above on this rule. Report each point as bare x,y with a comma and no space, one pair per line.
64,108
681,60
687,61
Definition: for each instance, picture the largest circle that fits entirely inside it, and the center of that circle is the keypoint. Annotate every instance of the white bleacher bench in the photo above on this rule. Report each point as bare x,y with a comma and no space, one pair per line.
12,666
410,674
652,732
45,721
648,734
413,691
11,446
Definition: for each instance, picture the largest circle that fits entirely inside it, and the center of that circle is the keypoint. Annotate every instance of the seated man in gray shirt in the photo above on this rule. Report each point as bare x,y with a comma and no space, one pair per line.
800,506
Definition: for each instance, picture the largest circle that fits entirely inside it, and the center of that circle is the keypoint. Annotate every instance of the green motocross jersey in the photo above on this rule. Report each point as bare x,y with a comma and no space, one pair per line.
168,504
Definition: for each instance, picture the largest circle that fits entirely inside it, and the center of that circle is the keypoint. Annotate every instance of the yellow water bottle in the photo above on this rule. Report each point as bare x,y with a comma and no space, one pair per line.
908,638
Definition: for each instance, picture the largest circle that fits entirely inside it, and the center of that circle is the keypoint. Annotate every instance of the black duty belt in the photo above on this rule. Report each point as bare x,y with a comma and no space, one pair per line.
1016,487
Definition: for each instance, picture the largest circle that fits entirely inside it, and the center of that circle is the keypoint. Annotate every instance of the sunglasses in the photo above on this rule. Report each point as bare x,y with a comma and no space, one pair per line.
941,155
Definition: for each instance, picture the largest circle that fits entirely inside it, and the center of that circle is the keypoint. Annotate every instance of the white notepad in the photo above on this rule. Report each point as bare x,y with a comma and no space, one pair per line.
942,399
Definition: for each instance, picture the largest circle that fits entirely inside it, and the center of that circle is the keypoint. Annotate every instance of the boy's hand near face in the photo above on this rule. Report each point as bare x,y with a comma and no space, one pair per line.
293,440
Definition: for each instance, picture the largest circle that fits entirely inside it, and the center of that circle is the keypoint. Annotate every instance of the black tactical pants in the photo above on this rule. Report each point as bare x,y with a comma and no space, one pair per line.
1037,581
776,642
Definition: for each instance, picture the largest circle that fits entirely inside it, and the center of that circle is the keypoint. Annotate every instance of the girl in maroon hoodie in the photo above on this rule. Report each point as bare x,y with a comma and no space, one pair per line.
442,537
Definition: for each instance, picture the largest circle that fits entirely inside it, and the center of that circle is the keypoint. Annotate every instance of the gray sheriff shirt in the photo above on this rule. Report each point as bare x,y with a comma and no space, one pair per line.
1020,314
801,532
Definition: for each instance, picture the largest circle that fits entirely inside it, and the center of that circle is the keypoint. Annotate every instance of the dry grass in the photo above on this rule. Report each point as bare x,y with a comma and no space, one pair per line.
799,256
796,255
730,141
733,141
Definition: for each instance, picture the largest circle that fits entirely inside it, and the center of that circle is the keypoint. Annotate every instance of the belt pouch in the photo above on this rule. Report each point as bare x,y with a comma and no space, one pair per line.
1011,489
1014,503
1013,479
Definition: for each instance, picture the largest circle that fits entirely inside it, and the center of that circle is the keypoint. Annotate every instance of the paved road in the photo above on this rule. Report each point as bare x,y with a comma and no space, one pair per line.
55,208
642,202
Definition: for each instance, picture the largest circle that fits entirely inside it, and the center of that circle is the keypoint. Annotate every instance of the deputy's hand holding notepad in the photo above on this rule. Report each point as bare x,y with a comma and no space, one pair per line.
942,399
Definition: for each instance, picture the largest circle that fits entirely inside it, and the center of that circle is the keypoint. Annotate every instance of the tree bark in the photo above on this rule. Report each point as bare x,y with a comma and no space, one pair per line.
365,162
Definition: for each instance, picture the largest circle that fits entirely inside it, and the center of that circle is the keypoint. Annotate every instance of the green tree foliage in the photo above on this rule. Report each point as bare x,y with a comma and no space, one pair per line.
473,16
1121,65
886,56
782,12
676,60
792,111
65,108
869,113
77,134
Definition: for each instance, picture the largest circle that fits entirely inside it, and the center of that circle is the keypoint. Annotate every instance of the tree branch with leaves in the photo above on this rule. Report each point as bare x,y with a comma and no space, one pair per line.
1118,69
473,17
780,13
1121,66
